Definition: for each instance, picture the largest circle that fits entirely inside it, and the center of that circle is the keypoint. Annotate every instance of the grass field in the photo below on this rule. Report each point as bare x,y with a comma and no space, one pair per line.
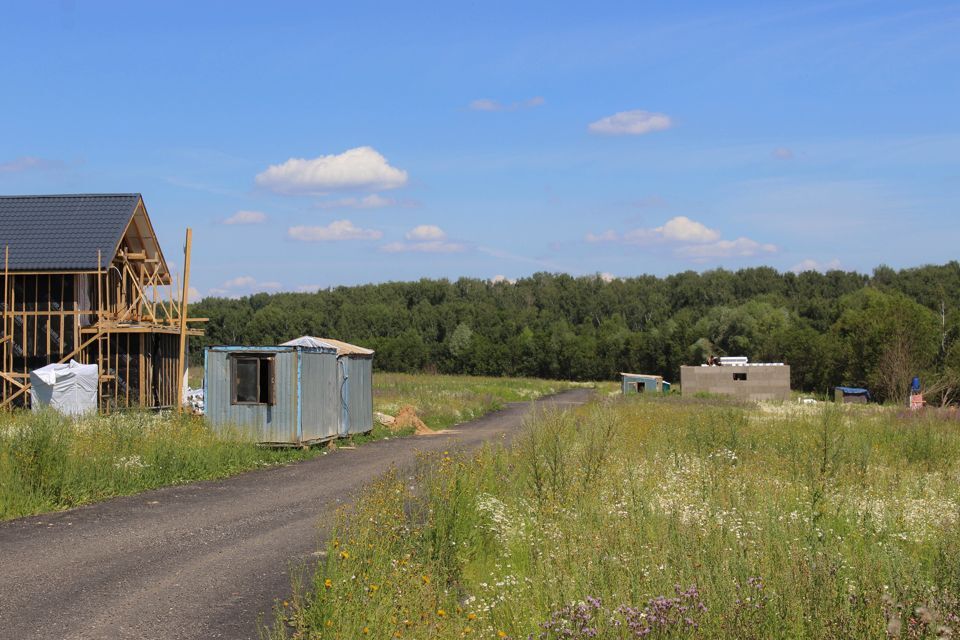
659,518
48,462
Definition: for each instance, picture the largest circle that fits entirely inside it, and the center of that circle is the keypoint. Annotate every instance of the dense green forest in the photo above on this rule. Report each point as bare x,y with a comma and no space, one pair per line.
833,328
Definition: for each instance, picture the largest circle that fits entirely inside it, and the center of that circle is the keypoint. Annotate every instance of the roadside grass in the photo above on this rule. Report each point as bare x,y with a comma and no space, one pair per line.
442,401
660,518
49,462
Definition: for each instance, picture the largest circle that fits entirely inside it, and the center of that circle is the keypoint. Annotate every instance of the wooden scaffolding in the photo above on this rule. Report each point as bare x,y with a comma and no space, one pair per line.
128,316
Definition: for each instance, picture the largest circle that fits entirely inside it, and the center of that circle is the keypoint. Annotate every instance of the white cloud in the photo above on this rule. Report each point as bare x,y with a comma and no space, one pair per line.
783,153
679,229
239,282
246,217
497,279
361,168
425,238
426,232
194,295
309,288
29,163
336,230
813,265
237,287
485,104
632,123
739,248
606,277
433,246
688,238
606,236
372,201
683,229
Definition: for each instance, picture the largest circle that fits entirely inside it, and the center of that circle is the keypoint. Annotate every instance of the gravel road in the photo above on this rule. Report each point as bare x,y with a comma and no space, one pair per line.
202,560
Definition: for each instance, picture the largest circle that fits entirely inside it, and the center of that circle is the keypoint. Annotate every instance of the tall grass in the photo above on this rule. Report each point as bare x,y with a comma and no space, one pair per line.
48,462
442,401
659,518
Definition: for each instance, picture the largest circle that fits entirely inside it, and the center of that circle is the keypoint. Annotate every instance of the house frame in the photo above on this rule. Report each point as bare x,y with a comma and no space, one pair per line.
91,284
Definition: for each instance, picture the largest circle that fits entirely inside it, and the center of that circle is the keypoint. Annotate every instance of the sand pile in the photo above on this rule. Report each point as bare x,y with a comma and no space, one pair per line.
407,417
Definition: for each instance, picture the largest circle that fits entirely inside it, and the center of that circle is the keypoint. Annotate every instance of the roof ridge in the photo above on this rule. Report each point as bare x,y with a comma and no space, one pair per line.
73,195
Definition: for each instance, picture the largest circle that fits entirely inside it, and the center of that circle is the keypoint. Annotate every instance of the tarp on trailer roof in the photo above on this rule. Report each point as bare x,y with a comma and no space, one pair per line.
343,348
853,391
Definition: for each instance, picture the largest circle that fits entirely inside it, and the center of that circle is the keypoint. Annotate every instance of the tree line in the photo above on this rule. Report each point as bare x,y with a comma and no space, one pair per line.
833,328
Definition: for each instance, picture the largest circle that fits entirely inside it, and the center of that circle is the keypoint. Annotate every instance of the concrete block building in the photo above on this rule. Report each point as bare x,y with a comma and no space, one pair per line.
755,382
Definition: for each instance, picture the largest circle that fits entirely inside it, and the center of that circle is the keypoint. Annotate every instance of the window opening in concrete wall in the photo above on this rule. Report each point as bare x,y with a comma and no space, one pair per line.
740,376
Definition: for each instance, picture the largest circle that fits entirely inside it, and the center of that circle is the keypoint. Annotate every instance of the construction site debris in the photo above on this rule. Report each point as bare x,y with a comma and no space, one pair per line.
407,418
384,419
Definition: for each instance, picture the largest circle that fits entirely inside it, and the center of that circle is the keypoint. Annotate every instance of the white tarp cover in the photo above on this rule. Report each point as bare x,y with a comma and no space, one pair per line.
70,388
307,341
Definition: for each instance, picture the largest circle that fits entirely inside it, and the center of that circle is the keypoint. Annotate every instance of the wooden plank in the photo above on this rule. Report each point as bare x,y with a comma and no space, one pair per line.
184,300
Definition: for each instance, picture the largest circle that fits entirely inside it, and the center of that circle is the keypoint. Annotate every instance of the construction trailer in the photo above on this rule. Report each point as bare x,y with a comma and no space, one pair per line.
745,381
307,391
354,382
85,279
634,383
851,395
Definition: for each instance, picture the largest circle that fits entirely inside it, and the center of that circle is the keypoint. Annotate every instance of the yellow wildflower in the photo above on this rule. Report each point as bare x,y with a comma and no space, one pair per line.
328,583
471,616
441,612
426,579
344,555
501,634
366,630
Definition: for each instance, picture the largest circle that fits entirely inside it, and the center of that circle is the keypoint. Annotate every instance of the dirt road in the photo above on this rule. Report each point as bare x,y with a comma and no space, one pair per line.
200,560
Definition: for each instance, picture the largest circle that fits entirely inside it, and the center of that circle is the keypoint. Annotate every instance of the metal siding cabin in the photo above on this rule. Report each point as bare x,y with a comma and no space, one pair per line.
277,395
633,383
354,382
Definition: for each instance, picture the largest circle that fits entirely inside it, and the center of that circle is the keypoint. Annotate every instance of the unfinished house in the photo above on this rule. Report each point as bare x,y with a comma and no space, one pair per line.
746,381
85,279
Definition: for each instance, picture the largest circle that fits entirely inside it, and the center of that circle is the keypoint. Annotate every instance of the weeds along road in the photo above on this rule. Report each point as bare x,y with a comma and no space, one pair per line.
202,560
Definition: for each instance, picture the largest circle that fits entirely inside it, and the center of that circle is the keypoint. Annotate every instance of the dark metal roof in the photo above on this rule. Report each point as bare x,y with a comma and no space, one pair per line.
63,232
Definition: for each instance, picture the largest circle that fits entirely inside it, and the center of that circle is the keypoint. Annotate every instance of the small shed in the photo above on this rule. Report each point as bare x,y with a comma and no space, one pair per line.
633,383
851,395
279,395
354,382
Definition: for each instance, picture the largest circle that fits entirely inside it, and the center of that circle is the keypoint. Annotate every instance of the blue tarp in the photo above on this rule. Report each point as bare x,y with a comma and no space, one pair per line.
853,391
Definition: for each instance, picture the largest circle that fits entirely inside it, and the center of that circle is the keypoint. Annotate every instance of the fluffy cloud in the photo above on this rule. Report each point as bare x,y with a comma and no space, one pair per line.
425,238
814,265
372,201
606,277
739,248
485,104
426,232
362,168
336,230
246,217
678,229
497,279
631,123
688,238
782,153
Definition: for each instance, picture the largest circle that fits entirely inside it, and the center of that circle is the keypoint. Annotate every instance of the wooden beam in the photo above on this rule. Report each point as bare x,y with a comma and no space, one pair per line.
183,319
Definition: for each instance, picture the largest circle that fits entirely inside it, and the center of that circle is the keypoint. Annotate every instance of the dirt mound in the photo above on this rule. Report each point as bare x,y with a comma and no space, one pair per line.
407,417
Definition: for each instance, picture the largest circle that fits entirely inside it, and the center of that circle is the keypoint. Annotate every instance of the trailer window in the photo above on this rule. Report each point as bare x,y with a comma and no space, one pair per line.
253,379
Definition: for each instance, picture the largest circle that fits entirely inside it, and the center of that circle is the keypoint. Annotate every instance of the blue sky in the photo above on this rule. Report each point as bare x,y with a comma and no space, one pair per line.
319,144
